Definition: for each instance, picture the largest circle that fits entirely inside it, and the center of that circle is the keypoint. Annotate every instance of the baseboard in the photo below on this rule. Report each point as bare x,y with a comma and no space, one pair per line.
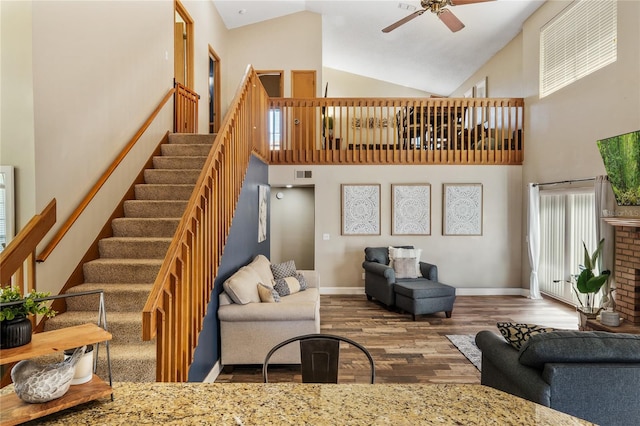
213,374
342,290
495,291
492,292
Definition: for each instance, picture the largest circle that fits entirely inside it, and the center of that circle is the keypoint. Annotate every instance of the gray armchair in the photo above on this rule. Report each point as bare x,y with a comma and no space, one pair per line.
379,277
589,374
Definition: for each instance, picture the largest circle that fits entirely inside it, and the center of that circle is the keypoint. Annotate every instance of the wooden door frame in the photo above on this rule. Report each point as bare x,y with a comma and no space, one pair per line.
188,21
216,89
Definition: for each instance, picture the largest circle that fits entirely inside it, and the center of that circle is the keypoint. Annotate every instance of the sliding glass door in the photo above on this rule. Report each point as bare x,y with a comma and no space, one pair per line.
567,218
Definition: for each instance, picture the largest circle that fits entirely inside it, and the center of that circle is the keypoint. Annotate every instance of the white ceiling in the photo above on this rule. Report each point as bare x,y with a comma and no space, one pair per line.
421,54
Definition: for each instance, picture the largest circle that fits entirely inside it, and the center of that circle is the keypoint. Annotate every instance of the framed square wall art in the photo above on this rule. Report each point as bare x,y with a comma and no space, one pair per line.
360,209
462,209
411,209
263,194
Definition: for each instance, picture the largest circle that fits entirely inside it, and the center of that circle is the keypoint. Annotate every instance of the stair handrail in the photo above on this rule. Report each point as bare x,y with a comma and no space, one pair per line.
66,226
177,304
20,252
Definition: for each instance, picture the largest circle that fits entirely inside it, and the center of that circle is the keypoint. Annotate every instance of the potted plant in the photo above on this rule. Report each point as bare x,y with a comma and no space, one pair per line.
588,284
15,325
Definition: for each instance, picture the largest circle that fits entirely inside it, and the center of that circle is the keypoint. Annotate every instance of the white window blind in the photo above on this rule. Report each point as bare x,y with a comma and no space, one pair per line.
576,43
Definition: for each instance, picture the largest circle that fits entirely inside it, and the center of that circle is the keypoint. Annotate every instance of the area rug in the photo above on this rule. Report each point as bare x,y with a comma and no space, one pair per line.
467,346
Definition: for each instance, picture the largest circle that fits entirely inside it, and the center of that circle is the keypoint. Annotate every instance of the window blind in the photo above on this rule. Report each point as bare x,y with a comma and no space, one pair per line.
576,43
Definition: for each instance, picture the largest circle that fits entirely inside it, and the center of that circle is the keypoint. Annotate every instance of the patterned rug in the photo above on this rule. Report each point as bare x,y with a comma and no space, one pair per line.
467,346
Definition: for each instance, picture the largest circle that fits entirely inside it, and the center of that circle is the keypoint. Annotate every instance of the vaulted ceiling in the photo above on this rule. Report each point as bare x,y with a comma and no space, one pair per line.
423,53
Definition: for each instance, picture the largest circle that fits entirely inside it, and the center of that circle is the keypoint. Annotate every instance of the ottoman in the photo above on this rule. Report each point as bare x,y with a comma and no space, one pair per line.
424,297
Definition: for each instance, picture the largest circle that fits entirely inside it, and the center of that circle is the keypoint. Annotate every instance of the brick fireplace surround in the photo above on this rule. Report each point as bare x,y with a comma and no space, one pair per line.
627,275
627,268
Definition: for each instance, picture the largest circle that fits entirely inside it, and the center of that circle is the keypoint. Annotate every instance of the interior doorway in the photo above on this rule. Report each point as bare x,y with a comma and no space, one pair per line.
183,46
303,85
214,91
293,225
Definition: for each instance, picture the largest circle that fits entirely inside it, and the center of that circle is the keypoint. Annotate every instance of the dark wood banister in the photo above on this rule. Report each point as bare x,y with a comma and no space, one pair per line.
66,226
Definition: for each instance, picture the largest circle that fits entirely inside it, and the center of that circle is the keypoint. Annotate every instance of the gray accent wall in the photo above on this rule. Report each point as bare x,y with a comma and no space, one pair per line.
242,246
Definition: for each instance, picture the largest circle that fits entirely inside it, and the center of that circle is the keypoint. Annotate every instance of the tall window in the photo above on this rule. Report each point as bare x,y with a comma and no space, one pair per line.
566,220
579,41
275,133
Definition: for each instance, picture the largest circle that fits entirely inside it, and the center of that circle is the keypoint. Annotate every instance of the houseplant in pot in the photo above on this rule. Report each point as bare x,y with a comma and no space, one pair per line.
588,284
15,325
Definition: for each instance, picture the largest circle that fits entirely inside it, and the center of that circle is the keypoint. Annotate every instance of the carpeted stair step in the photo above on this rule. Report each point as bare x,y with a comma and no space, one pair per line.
169,176
154,208
121,270
144,227
165,162
185,149
196,138
133,247
118,297
129,363
125,327
163,192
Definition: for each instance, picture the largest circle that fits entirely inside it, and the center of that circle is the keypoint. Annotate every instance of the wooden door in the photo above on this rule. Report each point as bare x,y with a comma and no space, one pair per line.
179,54
303,85
183,46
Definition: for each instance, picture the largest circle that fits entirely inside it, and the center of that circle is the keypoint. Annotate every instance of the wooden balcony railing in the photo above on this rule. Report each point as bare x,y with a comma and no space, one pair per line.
396,131
176,307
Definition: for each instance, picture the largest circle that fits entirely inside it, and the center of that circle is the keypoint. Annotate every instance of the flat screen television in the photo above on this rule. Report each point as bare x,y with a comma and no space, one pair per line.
621,156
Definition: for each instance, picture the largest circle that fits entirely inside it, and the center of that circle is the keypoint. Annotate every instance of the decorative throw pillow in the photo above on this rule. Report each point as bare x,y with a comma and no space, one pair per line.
398,253
405,267
284,269
261,265
302,281
268,294
287,286
517,334
241,286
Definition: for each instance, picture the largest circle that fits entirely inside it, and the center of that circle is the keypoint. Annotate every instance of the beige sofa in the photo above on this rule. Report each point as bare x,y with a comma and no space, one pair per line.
249,329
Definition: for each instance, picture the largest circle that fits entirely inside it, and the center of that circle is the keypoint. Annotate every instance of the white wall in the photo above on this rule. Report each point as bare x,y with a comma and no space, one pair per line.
346,85
561,129
292,42
476,263
17,140
100,68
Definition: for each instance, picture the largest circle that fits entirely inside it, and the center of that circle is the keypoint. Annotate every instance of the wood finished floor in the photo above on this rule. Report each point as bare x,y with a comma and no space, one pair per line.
405,351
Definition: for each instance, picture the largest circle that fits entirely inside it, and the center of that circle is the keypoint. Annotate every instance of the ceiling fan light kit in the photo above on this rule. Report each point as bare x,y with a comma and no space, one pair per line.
438,7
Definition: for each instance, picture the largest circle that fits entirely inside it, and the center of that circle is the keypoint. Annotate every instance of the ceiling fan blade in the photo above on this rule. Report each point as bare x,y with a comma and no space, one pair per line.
463,2
450,20
403,21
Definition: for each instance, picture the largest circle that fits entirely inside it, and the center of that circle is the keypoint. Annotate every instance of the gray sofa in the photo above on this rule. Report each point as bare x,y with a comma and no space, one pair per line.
380,278
588,374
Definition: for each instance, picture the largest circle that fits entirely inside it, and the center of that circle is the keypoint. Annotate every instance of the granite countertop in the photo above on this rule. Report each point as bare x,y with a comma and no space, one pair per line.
289,403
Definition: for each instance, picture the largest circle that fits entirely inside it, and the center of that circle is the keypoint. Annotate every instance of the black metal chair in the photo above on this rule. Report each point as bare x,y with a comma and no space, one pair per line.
319,356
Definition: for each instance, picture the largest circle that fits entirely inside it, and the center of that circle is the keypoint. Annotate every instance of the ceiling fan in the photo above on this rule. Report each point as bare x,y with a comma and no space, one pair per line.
437,7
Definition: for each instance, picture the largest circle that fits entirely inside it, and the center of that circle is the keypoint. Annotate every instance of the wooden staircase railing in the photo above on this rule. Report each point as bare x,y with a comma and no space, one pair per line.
176,307
185,110
18,259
